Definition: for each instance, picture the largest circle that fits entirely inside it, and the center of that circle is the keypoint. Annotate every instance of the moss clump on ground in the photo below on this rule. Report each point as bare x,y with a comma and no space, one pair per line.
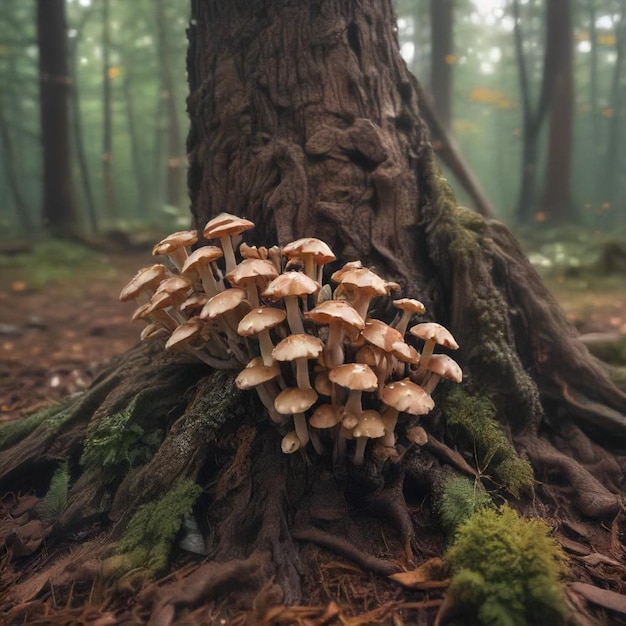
476,416
459,500
151,531
507,570
18,429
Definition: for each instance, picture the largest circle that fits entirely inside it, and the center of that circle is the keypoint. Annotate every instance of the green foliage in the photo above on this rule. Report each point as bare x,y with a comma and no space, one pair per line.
151,531
459,500
507,570
117,444
56,498
476,416
53,416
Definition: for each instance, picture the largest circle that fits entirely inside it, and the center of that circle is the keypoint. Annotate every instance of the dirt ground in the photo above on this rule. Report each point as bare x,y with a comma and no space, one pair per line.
59,326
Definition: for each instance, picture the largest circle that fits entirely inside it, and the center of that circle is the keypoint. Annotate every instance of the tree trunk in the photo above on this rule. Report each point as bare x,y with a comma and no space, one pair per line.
107,117
308,122
442,58
557,203
59,211
176,161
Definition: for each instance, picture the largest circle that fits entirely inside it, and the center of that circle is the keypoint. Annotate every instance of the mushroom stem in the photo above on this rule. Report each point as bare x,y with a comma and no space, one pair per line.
334,346
309,266
302,373
316,440
252,294
359,453
267,398
208,282
353,405
302,430
390,418
229,253
427,352
404,322
266,346
294,318
178,257
431,383
220,364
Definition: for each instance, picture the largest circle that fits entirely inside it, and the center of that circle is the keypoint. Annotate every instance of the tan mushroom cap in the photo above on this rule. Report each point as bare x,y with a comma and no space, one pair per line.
202,257
255,373
193,304
365,280
355,376
153,331
444,366
370,424
324,416
222,303
171,292
381,335
322,383
180,239
335,310
407,397
290,443
431,331
410,305
258,271
142,312
259,319
226,224
417,435
350,265
319,250
405,353
294,400
185,334
146,279
291,284
298,347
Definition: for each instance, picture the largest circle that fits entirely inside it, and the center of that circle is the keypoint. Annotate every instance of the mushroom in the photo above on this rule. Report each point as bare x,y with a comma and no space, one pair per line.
442,366
361,285
291,286
370,426
193,304
175,246
201,261
144,283
153,331
299,348
384,338
313,252
409,307
325,416
339,316
295,401
357,378
402,396
259,376
222,227
170,294
258,322
433,334
252,275
290,442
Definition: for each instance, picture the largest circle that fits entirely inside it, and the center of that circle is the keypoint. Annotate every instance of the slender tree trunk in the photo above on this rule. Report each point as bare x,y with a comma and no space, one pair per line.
107,117
59,212
442,58
77,125
557,203
596,142
176,160
22,210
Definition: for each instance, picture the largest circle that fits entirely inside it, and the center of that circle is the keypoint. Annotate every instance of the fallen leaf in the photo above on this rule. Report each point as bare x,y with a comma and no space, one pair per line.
429,575
602,597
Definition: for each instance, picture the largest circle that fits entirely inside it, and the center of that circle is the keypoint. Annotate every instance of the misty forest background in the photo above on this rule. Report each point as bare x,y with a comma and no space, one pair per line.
533,93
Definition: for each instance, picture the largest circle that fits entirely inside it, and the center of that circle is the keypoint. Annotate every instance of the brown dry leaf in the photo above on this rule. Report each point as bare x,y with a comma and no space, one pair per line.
19,286
429,575
602,597
596,559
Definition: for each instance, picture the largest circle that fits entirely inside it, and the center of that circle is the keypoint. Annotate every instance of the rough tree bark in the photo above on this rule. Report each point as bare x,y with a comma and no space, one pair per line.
305,119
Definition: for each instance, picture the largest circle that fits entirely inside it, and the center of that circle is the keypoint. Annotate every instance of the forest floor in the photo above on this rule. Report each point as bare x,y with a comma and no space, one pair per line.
61,320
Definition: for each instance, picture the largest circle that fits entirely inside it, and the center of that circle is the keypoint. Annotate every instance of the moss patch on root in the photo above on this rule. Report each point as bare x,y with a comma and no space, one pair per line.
150,533
475,417
507,570
460,498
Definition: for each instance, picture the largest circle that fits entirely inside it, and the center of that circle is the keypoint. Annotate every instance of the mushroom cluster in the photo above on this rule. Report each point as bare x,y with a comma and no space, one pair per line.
326,372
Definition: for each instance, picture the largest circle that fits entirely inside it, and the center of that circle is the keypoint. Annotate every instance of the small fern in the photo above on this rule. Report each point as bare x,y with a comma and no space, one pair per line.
507,570
56,498
117,444
476,416
459,500
151,531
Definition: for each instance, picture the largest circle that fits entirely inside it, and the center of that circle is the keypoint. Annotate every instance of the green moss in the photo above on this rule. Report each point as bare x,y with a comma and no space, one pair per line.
459,500
56,498
118,443
52,417
476,416
507,570
150,533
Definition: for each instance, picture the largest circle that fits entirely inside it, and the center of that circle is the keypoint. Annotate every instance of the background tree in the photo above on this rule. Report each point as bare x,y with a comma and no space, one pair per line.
442,57
59,212
309,123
